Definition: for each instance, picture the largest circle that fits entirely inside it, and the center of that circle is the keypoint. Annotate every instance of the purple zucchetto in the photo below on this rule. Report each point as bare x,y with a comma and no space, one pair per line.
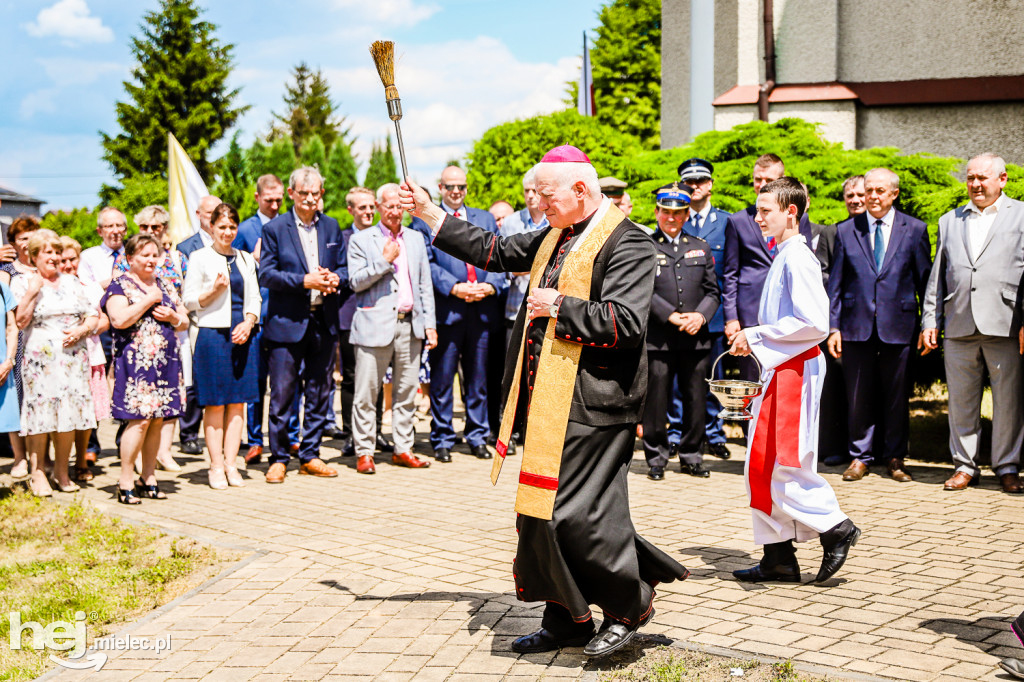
565,154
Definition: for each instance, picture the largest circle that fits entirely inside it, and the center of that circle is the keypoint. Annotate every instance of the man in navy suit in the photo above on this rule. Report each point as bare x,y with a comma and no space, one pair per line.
881,261
302,264
270,200
192,415
708,223
748,256
468,309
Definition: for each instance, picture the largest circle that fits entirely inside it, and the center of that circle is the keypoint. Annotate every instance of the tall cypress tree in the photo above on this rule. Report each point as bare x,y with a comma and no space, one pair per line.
308,110
179,85
626,63
232,179
314,153
382,168
281,160
341,175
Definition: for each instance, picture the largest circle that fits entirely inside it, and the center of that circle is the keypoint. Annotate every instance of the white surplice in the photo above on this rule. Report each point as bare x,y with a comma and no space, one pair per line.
793,317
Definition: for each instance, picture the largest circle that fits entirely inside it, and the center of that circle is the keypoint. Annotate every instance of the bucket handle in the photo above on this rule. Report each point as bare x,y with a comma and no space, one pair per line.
715,365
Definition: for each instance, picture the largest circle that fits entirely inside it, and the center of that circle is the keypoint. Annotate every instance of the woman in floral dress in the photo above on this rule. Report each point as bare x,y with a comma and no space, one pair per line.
145,312
56,317
171,268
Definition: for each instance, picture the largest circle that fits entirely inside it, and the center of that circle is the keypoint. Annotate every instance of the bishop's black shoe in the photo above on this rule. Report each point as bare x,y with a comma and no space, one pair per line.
613,635
777,565
656,474
836,542
544,640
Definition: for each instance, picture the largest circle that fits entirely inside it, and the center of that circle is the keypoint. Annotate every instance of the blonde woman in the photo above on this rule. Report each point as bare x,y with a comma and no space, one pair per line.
56,316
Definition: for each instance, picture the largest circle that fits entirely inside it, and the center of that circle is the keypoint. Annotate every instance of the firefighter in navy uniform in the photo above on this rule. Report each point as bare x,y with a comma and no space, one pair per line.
686,296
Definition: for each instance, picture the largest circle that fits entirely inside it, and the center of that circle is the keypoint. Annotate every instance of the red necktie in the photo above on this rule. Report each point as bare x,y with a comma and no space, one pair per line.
470,270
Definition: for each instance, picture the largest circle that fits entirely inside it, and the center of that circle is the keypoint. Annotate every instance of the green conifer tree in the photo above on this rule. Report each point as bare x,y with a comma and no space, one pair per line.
341,175
179,85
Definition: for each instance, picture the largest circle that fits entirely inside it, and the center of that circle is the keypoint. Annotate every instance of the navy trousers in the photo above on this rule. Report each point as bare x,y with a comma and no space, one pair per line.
254,411
713,424
300,367
877,392
467,341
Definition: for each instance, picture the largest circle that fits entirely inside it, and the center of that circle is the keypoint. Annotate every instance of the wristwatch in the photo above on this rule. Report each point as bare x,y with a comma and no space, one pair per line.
553,308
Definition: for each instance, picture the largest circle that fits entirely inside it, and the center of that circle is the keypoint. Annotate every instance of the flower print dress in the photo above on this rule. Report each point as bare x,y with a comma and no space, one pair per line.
147,363
55,379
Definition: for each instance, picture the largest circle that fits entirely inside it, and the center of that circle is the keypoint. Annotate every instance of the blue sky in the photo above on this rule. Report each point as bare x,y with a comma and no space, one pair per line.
464,66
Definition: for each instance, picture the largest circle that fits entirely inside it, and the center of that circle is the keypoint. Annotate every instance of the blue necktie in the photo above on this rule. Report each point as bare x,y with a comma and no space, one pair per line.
696,225
879,245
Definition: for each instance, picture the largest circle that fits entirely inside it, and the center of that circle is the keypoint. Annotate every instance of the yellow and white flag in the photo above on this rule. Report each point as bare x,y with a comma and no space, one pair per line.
185,189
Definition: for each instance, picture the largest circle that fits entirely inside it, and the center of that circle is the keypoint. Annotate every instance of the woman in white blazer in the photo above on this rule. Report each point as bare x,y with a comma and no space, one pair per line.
222,289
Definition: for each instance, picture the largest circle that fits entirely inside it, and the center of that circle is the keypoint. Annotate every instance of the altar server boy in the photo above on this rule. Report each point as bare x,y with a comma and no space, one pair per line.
788,499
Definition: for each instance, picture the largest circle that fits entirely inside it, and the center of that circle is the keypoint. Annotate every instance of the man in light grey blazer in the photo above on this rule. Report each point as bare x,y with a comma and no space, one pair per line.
973,296
390,274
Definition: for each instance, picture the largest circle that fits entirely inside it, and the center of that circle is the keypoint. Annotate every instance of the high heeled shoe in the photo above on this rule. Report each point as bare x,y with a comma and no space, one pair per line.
71,488
167,464
127,496
217,479
234,478
150,491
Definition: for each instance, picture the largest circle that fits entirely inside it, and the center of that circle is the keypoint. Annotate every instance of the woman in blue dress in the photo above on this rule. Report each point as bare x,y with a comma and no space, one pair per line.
145,312
9,412
222,289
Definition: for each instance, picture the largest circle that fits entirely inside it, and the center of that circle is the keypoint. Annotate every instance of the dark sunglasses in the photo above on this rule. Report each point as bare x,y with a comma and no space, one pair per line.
455,188
152,227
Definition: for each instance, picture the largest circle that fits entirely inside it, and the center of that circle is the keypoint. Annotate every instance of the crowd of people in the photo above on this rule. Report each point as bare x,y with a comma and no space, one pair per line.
286,303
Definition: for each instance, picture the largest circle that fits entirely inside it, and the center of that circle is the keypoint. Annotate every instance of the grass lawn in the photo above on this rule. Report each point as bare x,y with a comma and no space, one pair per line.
642,663
56,560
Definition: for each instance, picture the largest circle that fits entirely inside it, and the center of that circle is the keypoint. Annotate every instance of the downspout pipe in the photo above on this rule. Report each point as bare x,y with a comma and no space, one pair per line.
769,61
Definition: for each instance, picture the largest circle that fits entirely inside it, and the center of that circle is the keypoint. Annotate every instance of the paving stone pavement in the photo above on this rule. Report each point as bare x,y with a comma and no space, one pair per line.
406,575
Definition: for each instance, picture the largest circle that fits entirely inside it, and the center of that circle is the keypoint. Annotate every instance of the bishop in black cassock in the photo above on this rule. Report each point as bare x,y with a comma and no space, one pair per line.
587,552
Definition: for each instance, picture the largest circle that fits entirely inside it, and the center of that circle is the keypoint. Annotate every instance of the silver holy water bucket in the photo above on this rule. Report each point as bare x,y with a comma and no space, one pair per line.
735,394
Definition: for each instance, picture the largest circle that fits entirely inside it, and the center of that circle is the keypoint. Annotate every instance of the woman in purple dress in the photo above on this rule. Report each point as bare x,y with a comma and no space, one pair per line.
145,312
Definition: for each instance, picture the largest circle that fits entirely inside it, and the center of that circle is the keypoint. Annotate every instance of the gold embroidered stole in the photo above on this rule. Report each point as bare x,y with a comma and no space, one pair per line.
556,375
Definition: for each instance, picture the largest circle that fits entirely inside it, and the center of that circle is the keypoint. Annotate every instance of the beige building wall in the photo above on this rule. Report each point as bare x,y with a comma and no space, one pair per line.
869,41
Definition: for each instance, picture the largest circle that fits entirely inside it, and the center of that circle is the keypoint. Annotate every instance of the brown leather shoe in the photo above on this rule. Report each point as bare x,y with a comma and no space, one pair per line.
365,465
407,459
1011,483
316,467
856,471
277,472
293,449
960,480
898,472
254,455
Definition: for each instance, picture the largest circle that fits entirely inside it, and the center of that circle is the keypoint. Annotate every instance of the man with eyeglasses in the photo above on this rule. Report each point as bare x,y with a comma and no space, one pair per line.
270,200
302,264
97,262
469,307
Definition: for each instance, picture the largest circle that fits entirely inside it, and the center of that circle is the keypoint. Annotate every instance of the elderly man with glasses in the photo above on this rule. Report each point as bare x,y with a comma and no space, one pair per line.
469,307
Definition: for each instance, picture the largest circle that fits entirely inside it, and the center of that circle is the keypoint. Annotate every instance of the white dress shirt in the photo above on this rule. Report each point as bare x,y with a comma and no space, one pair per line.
311,249
887,220
96,264
979,223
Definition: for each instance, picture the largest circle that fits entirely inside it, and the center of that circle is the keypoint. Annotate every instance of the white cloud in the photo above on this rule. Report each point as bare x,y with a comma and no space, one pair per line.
71,21
64,72
42,101
387,12
449,100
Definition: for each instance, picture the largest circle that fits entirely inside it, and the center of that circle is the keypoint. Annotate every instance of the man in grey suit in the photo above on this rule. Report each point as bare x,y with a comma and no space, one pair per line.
390,274
973,297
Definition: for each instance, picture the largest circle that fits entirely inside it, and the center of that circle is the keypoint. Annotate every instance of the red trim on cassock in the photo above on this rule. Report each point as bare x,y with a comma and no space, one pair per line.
490,251
777,433
615,327
538,481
